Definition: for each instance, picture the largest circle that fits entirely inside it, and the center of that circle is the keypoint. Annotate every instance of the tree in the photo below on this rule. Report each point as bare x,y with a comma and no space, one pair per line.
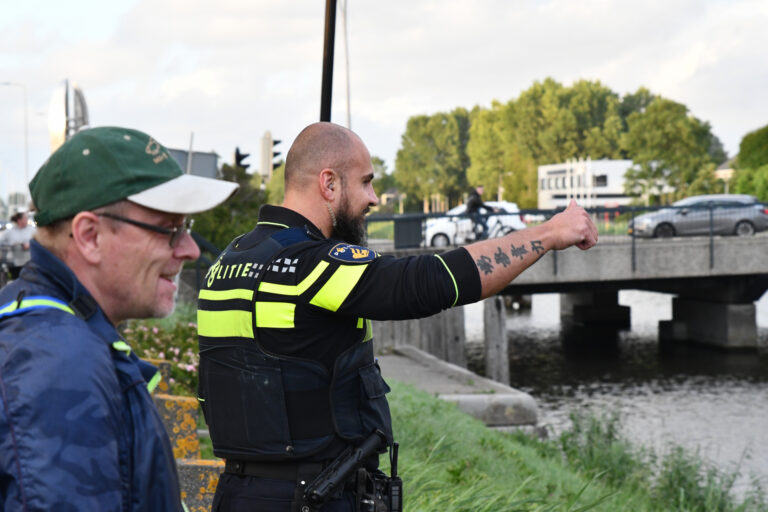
668,148
753,149
235,216
432,159
276,186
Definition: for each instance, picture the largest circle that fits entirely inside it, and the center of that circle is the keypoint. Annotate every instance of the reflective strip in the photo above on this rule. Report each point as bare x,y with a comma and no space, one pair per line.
122,346
31,303
224,324
271,224
338,287
360,322
235,293
275,315
154,381
286,289
455,286
368,331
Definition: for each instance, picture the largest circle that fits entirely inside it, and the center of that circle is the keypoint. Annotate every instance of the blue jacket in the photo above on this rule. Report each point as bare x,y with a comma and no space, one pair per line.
78,428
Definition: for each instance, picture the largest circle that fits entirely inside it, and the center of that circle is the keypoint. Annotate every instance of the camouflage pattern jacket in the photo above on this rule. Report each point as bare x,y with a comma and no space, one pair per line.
78,428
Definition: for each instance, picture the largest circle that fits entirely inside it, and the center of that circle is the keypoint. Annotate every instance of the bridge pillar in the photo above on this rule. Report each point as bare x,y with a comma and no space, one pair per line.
496,343
729,326
600,308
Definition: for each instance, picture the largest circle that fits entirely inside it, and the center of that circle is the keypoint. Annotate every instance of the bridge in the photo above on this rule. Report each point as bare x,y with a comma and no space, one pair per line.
716,281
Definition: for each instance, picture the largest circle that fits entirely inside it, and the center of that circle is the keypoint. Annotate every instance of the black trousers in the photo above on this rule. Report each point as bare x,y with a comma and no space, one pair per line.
236,493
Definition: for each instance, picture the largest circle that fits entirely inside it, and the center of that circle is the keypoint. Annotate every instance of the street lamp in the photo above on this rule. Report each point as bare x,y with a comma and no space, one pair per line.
26,134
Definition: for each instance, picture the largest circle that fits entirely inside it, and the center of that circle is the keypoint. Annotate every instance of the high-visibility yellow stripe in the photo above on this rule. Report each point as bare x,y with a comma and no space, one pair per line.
154,381
34,303
224,324
235,293
285,289
360,322
333,293
122,346
368,331
455,286
275,314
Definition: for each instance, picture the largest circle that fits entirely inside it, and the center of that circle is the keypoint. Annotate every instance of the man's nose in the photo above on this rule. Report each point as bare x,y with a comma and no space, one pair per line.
187,248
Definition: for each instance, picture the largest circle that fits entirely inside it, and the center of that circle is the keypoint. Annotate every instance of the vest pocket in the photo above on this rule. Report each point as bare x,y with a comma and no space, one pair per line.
245,408
374,409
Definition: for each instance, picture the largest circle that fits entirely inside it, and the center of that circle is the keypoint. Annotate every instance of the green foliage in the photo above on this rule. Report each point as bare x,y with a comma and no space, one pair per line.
433,158
173,339
752,181
668,148
276,186
753,149
236,216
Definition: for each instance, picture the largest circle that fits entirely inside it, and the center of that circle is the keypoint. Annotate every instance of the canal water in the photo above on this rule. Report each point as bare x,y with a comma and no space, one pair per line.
710,402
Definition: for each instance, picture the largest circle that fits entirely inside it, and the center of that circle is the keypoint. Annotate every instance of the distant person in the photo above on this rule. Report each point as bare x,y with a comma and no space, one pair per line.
288,378
15,242
78,428
479,219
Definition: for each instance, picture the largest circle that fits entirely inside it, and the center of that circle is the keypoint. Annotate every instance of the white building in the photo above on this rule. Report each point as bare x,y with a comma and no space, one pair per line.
590,182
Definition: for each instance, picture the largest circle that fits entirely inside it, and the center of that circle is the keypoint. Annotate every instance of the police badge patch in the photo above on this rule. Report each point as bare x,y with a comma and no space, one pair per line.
352,253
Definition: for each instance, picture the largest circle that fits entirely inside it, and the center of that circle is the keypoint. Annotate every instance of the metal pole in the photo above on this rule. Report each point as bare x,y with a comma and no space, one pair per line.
26,134
711,238
346,62
634,257
327,87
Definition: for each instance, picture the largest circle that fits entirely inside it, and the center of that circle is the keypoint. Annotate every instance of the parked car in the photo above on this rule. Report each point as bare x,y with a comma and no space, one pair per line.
457,229
731,214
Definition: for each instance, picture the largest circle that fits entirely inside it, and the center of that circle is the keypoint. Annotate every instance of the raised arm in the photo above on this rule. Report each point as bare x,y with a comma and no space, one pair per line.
500,260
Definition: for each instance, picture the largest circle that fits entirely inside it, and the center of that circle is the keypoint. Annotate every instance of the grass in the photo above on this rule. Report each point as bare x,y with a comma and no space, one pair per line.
450,461
381,229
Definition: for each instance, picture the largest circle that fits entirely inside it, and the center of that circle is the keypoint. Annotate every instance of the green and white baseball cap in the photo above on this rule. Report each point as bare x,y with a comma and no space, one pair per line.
102,165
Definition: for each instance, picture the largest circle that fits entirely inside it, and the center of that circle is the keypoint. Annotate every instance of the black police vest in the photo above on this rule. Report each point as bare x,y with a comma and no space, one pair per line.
265,406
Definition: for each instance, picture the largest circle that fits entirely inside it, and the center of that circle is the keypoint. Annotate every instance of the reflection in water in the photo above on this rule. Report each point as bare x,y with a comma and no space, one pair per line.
707,400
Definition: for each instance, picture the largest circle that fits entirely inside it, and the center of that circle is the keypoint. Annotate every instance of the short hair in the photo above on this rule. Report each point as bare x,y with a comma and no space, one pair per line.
318,146
17,216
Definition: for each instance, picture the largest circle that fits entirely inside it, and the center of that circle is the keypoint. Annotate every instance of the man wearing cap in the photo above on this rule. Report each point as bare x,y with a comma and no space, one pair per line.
78,429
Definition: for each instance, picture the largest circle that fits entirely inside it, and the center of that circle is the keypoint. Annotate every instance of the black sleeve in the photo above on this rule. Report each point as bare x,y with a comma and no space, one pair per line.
413,287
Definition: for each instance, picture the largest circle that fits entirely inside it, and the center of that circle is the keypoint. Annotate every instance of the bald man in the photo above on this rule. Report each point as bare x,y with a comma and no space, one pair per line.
288,378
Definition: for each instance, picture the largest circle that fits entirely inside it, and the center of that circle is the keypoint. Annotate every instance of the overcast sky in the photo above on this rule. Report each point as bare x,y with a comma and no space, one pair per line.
230,70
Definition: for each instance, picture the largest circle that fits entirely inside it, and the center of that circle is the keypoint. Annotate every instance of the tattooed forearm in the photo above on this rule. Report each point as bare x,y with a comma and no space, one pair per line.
518,252
536,246
501,257
484,264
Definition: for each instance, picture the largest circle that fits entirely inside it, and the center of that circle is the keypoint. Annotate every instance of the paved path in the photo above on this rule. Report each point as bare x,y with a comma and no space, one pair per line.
492,402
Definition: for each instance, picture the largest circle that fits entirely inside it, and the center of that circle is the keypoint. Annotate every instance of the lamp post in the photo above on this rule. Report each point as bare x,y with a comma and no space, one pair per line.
26,133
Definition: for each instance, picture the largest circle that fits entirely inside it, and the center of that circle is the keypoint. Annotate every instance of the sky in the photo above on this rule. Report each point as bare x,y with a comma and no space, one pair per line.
228,71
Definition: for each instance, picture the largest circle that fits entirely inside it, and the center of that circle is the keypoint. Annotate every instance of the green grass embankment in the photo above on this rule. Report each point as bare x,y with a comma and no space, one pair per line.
450,461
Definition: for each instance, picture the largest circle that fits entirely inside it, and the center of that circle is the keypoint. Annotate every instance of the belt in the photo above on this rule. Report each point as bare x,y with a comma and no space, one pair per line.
278,470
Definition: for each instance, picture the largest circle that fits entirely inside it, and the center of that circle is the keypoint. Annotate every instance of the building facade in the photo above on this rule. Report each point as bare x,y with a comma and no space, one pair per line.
590,182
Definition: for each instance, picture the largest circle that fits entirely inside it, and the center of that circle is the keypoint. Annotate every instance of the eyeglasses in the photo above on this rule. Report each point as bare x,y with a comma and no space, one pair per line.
175,233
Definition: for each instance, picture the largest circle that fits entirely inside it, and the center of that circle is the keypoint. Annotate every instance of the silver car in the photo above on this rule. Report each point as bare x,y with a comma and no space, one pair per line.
728,214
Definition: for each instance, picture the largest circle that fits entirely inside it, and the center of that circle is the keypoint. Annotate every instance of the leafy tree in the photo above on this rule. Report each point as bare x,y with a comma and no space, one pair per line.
668,148
753,149
433,157
237,215
382,180
752,181
276,186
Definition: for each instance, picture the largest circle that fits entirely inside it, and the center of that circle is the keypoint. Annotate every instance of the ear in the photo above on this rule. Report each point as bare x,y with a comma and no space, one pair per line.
328,184
87,228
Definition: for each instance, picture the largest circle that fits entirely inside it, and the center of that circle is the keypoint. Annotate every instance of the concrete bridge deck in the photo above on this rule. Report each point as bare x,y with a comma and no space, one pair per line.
716,282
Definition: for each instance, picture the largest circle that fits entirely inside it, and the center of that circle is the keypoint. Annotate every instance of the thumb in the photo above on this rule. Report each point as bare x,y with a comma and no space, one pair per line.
572,204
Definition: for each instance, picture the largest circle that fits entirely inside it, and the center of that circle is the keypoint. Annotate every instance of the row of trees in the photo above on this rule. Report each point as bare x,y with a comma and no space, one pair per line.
503,145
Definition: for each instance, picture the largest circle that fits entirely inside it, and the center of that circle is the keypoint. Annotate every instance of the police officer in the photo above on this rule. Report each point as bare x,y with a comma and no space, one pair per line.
288,379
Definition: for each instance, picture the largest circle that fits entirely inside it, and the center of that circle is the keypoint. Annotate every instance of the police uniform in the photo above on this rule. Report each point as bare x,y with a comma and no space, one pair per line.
287,372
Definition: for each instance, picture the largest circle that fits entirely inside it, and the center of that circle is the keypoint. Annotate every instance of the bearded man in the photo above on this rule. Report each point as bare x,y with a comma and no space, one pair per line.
288,380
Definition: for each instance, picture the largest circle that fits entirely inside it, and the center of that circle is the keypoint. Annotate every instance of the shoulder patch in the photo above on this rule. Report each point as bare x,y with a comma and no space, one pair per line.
352,253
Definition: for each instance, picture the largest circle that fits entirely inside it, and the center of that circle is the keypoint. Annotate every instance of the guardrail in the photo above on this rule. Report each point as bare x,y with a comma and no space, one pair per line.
623,224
